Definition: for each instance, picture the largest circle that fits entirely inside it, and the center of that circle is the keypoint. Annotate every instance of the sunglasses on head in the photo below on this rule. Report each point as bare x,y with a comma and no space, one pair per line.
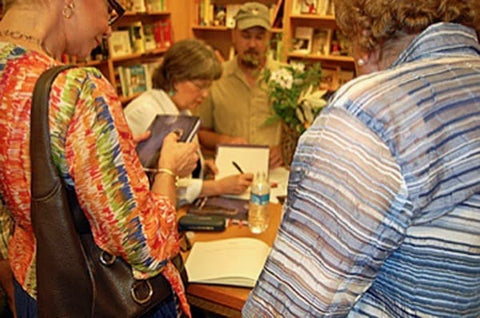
115,11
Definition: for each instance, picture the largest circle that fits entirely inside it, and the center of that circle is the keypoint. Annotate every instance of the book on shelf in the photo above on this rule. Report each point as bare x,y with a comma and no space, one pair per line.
302,42
163,33
137,37
330,8
321,41
138,6
155,5
119,43
232,10
205,12
149,36
296,5
137,79
167,35
149,149
233,261
122,82
323,6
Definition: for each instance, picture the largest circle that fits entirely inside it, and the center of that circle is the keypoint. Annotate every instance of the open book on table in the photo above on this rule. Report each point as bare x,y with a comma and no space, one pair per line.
234,261
149,150
253,159
249,158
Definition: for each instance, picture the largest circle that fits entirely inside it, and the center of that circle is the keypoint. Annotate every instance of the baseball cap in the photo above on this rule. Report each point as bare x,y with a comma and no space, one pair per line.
252,14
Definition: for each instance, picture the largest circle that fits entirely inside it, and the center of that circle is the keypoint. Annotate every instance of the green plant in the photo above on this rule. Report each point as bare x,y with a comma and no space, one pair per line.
293,93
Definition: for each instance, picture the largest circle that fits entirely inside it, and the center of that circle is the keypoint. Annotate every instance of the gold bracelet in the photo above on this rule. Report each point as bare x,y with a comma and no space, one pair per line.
167,171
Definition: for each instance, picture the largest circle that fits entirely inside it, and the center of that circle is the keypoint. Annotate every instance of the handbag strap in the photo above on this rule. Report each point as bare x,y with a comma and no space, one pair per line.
44,173
57,244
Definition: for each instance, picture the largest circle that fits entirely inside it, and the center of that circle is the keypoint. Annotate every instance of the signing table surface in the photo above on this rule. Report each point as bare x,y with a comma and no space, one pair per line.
229,300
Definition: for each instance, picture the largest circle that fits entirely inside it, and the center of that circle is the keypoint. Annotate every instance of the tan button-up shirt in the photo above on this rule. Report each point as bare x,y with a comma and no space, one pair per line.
236,109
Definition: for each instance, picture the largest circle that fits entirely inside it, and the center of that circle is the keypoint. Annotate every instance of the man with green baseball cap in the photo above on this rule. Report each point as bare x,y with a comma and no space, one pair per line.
237,106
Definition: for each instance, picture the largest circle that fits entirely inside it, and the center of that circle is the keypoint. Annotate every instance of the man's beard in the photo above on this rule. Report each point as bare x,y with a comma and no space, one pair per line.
250,59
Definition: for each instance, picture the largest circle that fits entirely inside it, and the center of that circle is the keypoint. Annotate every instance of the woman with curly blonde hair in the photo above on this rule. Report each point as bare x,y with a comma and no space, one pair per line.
383,212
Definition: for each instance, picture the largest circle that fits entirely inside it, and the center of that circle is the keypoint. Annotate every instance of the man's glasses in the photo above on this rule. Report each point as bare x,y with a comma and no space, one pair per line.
115,11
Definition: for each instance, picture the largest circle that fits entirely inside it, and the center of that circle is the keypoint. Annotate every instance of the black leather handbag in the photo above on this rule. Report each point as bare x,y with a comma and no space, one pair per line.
75,278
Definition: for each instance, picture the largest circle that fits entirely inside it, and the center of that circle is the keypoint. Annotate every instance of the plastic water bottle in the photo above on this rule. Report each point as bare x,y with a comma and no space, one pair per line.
258,217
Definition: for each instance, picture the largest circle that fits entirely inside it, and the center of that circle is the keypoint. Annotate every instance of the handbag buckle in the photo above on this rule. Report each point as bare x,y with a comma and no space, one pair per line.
107,259
141,291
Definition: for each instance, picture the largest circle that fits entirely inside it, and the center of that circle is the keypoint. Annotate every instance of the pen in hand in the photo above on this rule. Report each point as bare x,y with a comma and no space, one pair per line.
238,167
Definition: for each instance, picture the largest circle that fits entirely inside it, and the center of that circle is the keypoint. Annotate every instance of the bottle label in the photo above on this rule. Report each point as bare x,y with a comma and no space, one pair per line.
260,199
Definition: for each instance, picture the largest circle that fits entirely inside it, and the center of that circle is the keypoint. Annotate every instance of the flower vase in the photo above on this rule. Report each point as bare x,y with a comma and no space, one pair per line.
288,143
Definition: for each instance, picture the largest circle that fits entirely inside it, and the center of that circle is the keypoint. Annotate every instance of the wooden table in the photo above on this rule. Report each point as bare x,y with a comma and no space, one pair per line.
227,300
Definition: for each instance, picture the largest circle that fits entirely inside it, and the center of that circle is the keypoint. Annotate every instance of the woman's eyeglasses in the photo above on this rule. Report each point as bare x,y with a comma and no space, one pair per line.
203,85
115,11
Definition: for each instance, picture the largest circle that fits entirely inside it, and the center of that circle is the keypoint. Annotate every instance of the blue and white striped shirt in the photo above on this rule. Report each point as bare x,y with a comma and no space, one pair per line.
383,208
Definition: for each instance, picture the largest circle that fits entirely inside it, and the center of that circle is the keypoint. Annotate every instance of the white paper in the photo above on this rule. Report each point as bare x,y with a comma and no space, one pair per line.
250,158
235,261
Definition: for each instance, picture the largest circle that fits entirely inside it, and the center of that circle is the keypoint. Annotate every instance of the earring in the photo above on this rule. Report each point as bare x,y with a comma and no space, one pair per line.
68,10
171,93
360,62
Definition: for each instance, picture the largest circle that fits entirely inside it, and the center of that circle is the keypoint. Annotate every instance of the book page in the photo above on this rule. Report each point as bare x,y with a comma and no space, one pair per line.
250,158
235,261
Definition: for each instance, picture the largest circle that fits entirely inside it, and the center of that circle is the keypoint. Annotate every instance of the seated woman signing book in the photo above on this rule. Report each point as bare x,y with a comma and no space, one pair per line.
180,84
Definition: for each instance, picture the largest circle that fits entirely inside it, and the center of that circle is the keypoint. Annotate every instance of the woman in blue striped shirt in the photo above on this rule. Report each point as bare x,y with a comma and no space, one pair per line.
383,209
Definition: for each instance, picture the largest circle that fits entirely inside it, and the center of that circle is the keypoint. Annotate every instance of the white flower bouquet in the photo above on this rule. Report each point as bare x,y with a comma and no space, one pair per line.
292,90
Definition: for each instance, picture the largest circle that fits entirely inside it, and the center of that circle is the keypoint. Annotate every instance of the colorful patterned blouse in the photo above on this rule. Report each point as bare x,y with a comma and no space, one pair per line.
94,151
383,213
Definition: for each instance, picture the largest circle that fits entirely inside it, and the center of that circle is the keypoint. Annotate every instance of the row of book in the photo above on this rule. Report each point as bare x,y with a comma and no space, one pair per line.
144,5
140,37
319,7
308,40
135,79
211,14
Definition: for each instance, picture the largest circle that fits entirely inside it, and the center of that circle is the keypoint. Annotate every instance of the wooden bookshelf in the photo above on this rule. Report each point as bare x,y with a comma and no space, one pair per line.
220,36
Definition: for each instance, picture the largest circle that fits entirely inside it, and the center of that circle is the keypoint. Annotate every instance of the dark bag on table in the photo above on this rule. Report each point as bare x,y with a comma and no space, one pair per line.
75,278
